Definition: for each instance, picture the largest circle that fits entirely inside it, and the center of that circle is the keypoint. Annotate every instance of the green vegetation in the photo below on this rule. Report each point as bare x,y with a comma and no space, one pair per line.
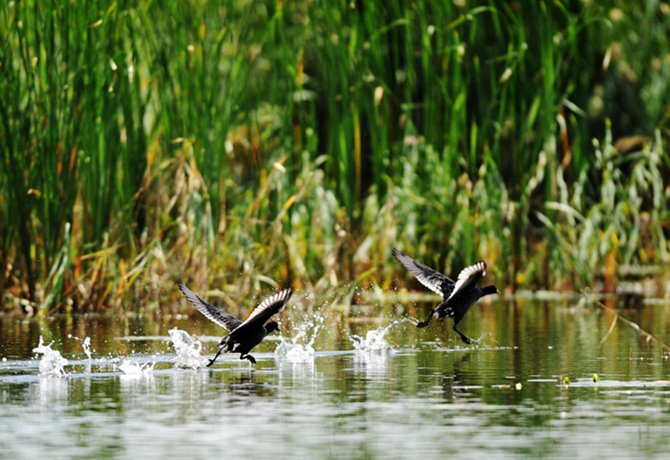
268,142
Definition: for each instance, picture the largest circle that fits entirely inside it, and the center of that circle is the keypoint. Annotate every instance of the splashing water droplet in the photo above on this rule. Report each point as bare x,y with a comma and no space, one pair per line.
299,349
87,348
86,345
136,369
188,350
374,341
52,362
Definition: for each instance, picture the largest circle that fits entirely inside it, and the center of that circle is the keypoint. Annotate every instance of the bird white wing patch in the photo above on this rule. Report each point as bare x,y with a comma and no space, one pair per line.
468,276
281,297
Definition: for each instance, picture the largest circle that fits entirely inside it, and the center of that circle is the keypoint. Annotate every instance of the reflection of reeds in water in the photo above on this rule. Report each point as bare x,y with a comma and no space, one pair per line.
248,145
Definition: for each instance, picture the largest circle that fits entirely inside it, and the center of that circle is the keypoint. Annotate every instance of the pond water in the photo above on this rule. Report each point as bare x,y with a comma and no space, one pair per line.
334,387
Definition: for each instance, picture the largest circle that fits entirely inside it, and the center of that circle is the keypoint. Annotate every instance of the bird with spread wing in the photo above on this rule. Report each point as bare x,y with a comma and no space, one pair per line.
244,335
458,296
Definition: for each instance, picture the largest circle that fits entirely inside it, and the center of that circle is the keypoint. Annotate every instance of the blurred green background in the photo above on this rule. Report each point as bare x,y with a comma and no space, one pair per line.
251,144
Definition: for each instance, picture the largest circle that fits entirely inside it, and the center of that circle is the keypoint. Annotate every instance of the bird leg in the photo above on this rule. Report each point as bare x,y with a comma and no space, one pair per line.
464,337
427,322
211,361
249,357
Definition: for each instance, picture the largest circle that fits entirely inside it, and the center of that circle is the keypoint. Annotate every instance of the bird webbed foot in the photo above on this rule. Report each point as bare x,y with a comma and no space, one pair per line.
465,338
427,321
249,357
423,323
211,361
469,341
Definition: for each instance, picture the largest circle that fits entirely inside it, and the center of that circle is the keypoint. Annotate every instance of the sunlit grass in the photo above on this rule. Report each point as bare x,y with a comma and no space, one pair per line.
251,145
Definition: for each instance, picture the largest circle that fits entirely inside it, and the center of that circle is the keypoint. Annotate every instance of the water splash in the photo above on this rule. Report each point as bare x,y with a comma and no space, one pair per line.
135,369
371,353
52,362
87,348
188,350
374,342
86,345
300,349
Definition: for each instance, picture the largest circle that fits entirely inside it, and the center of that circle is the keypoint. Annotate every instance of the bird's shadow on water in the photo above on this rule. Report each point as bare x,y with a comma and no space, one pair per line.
453,385
242,383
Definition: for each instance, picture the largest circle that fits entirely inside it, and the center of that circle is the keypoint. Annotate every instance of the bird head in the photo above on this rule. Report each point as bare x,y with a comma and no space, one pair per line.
271,327
490,290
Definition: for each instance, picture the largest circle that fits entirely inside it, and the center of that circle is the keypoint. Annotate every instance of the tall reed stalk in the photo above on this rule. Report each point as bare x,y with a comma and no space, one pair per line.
250,143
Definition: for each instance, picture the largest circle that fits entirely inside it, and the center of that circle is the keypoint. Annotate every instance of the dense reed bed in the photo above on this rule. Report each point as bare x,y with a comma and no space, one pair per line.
250,143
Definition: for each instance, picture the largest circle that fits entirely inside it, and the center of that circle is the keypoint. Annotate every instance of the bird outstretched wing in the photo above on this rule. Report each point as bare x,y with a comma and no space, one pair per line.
468,278
432,279
264,311
212,313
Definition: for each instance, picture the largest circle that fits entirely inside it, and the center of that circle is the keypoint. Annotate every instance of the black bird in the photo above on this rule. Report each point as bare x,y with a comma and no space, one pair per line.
458,295
244,335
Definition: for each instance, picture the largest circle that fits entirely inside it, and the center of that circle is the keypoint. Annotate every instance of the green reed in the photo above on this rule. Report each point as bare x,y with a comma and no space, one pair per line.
257,143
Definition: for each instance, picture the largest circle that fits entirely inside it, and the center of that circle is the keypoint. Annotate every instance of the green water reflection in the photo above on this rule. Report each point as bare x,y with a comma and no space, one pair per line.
427,399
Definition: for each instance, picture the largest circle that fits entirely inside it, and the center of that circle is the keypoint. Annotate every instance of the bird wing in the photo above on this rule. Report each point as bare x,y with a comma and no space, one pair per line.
212,313
468,278
264,311
432,279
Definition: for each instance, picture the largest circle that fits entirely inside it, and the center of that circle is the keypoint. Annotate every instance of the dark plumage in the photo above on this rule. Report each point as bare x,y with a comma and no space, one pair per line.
244,335
459,296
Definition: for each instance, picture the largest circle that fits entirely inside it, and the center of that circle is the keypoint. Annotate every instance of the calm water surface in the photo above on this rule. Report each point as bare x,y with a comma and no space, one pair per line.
424,398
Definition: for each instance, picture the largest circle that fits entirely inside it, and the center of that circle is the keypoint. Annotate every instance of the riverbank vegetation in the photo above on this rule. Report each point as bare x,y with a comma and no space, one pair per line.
267,143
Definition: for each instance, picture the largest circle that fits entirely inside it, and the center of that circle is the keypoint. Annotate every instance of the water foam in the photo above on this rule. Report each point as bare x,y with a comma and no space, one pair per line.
52,363
374,342
132,368
188,350
300,349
